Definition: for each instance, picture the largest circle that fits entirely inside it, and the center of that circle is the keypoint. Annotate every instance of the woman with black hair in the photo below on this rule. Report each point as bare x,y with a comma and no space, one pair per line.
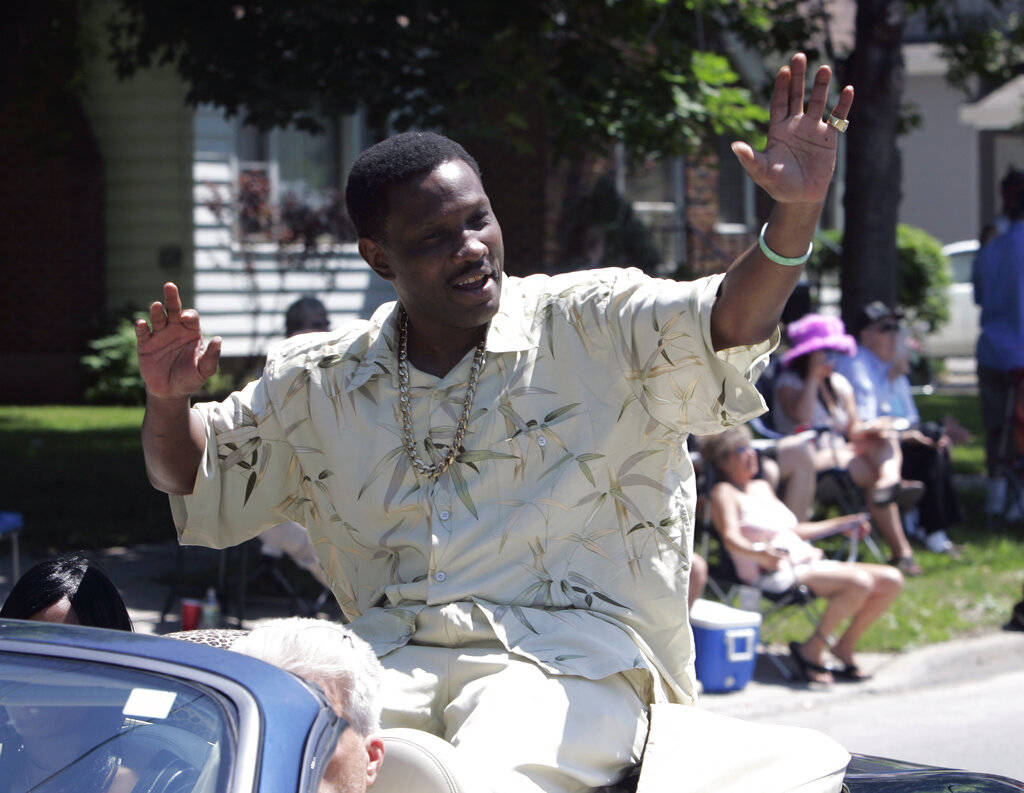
68,589
49,750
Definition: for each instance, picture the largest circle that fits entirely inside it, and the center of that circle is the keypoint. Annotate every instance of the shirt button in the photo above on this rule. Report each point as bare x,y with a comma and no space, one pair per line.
444,514
542,441
440,576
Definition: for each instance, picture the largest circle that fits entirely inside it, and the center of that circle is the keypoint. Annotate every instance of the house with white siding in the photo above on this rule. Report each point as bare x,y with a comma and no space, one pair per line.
172,188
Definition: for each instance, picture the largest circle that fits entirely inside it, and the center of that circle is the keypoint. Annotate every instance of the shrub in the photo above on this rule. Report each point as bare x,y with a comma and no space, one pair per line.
112,370
925,277
924,272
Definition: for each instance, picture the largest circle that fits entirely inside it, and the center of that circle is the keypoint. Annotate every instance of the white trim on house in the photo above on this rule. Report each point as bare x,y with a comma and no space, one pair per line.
243,288
1000,110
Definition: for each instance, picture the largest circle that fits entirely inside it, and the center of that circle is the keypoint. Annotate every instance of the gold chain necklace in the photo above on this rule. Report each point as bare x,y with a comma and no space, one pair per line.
433,470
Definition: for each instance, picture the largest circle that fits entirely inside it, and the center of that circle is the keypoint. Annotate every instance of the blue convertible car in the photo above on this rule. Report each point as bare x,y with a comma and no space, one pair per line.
167,716
127,712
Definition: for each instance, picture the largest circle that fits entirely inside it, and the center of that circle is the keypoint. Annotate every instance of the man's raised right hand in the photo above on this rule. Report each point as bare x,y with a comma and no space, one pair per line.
174,361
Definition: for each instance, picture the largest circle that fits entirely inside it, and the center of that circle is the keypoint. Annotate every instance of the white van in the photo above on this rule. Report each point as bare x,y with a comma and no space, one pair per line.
959,336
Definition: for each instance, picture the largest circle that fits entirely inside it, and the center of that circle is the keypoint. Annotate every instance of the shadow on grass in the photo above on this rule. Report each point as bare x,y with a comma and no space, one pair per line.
77,476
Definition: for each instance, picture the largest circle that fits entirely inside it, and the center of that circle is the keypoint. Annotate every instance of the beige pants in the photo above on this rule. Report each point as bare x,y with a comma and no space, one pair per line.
527,730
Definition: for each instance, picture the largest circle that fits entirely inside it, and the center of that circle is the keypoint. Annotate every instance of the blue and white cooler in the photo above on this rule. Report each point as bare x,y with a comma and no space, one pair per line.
726,640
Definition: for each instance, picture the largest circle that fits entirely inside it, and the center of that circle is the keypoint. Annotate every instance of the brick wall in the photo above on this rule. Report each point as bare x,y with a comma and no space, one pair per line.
51,246
708,251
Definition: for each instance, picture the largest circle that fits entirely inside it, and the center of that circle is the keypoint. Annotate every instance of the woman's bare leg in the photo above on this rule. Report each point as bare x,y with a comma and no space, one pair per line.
867,473
887,518
798,472
847,589
698,578
888,582
885,457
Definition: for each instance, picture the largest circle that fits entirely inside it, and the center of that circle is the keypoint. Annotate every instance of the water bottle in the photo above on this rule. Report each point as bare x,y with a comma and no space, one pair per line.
210,614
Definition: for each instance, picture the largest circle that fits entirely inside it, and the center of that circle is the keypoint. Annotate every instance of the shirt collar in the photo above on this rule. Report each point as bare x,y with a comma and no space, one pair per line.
511,330
878,367
380,357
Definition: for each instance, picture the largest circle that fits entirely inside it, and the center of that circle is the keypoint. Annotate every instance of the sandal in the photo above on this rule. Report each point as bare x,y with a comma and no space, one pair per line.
907,565
806,667
851,673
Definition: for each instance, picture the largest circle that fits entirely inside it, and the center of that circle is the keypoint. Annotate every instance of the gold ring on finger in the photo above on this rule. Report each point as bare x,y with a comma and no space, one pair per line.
838,124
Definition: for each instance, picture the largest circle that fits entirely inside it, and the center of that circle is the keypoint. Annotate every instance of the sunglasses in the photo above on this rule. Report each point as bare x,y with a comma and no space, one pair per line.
889,327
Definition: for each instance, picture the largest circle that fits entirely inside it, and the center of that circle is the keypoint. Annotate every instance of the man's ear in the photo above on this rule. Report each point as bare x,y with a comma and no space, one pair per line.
376,256
375,756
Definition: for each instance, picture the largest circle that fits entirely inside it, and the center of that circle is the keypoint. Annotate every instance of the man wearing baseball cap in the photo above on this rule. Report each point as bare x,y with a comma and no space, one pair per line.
881,389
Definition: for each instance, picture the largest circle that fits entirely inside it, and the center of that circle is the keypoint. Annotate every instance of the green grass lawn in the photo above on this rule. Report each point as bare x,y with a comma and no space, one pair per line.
77,475
968,458
952,598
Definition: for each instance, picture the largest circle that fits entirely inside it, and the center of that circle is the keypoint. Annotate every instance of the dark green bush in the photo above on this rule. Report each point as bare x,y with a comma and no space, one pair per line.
924,272
925,276
112,369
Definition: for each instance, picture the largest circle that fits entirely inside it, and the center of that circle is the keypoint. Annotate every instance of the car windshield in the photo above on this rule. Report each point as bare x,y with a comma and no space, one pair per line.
88,727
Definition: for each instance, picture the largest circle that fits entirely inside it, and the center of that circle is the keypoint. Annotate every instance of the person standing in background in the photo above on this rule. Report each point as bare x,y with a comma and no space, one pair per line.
999,291
877,372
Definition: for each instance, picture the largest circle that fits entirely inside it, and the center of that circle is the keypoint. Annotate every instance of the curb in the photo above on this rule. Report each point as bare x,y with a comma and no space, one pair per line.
954,661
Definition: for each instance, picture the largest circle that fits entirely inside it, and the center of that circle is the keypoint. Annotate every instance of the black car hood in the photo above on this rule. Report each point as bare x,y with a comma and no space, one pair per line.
866,774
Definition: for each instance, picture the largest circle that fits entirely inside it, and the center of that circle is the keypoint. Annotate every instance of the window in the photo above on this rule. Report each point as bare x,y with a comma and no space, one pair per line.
285,178
735,191
71,726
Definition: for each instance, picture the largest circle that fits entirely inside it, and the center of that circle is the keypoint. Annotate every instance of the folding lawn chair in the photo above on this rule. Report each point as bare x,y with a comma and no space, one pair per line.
834,486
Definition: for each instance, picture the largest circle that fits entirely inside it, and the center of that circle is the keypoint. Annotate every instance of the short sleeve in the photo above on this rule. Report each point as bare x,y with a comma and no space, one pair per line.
244,477
662,333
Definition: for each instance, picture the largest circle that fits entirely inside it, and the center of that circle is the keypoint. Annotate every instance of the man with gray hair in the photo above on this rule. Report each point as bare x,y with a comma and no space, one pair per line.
346,669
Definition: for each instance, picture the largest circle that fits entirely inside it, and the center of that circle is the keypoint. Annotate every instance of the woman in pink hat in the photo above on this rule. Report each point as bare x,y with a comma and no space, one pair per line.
810,394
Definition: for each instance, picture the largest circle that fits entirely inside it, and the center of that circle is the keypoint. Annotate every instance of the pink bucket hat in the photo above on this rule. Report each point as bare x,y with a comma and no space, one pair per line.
818,332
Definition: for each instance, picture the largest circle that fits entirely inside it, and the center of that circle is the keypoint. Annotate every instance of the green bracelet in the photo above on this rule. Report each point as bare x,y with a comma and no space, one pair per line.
785,261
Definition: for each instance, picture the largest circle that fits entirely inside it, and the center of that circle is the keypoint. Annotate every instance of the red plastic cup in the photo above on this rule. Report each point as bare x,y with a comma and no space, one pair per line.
190,612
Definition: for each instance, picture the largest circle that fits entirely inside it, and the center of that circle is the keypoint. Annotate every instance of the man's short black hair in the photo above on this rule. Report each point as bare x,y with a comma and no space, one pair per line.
1012,186
304,315
392,161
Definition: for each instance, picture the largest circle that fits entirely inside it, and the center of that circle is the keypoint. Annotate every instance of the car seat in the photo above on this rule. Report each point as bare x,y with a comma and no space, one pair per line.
419,761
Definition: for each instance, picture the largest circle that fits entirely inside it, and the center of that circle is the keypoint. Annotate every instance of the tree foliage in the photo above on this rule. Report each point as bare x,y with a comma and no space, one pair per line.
924,277
983,42
644,72
923,274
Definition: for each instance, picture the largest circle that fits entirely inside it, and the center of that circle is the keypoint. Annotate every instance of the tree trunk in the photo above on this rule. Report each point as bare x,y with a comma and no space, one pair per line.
869,264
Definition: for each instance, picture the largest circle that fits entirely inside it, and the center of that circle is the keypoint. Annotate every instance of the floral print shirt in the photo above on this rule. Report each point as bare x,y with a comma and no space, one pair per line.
566,520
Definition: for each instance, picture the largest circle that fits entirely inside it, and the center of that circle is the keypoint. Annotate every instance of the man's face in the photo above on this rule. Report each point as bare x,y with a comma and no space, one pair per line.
442,249
354,765
881,338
